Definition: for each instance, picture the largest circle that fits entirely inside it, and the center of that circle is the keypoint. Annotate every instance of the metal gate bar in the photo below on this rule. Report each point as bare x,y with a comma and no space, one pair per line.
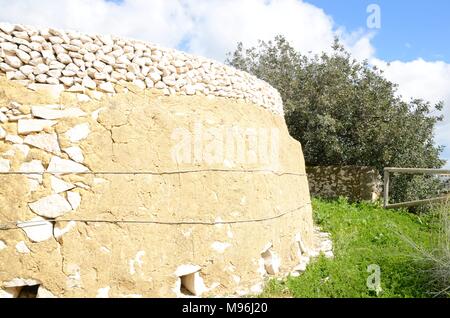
389,170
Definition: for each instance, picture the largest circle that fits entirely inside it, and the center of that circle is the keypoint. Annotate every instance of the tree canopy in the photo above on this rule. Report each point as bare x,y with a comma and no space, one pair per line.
345,112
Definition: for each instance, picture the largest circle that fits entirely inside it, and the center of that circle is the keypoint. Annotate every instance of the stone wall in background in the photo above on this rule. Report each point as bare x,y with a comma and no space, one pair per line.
83,63
354,182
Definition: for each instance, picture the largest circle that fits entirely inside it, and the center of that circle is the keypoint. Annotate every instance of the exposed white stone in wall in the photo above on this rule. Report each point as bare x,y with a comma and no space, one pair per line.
13,61
74,199
137,261
4,165
83,98
74,276
194,283
326,245
103,292
24,149
271,261
25,126
35,178
22,248
58,165
79,132
186,269
2,132
59,185
59,231
257,288
75,154
51,206
107,87
14,139
65,62
301,244
46,112
3,119
37,229
2,245
220,247
130,295
34,169
82,185
52,90
19,282
44,141
9,292
301,267
189,278
95,114
44,293
105,250
9,153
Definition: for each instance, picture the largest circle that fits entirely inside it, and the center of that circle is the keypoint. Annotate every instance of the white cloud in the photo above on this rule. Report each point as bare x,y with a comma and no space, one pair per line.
219,25
207,27
213,27
160,21
358,42
419,78
362,49
427,80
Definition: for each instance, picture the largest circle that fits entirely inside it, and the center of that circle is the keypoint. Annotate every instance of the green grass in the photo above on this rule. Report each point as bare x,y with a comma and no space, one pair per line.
365,234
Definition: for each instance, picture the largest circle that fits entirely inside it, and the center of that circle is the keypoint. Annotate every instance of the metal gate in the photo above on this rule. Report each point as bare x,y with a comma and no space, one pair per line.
389,170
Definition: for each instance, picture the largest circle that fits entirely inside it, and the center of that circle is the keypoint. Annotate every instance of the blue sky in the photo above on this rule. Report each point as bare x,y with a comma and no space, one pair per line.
409,28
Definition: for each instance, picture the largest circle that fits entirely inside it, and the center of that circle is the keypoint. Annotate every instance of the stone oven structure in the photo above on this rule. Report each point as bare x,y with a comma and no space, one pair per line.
132,170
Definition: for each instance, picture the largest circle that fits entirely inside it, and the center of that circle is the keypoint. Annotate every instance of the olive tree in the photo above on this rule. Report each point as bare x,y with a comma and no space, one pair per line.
345,112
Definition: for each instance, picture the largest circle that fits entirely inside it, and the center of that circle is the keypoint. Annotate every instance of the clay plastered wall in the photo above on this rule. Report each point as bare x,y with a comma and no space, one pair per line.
354,182
84,64
107,235
108,186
